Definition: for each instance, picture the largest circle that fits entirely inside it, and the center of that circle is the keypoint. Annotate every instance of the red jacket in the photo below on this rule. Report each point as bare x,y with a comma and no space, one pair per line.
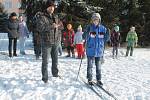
68,37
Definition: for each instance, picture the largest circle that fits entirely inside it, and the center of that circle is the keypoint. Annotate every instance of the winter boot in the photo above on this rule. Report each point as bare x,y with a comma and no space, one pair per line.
90,82
127,52
73,55
45,81
37,57
56,75
68,55
14,54
10,54
23,53
99,83
68,51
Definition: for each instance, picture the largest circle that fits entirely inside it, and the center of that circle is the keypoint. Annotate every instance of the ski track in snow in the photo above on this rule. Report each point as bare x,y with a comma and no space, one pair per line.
128,78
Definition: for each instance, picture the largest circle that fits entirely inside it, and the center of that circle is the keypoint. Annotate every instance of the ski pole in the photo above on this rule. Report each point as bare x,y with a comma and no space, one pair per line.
84,45
79,68
81,62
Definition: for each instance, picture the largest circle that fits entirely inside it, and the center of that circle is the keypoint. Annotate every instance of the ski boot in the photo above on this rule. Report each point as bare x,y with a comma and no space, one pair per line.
90,82
99,83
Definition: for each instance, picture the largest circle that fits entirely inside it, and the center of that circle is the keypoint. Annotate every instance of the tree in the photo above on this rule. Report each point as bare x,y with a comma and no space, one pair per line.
3,18
31,7
144,7
122,12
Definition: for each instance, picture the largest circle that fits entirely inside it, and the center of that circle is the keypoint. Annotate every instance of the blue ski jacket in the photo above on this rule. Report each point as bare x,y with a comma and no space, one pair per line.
95,37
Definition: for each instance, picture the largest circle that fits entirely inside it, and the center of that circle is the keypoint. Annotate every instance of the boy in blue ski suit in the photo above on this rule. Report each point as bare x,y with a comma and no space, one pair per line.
95,35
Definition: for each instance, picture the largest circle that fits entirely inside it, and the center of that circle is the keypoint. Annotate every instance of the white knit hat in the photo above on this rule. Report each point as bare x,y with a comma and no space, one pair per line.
96,15
79,27
132,29
116,28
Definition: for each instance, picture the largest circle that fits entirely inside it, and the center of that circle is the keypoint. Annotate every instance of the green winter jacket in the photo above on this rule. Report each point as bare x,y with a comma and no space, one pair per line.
131,39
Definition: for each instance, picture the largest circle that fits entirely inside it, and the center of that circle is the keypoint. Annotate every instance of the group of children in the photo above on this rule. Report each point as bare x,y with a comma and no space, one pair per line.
75,40
131,40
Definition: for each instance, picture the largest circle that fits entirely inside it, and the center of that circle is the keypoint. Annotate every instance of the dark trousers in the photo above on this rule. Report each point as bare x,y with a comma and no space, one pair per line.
37,44
129,48
46,52
115,50
70,50
90,61
12,43
37,50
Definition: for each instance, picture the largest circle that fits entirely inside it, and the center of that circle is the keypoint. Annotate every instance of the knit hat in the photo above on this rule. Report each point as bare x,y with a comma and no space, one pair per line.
79,27
13,14
49,3
96,16
132,28
116,28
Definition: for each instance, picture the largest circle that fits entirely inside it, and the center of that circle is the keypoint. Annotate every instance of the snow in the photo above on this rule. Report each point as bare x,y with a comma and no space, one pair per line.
127,78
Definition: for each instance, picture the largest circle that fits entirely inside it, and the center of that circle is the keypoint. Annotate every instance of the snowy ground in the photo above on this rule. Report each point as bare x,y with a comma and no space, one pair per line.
128,78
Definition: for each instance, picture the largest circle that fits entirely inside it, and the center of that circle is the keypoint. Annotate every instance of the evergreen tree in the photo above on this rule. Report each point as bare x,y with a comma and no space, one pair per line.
3,18
122,12
144,7
31,8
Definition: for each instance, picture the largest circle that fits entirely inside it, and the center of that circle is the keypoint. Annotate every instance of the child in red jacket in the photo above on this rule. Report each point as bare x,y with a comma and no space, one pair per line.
68,38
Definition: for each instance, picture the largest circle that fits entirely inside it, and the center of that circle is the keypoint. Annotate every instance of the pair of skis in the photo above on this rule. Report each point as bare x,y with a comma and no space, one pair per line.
97,93
106,91
94,90
92,87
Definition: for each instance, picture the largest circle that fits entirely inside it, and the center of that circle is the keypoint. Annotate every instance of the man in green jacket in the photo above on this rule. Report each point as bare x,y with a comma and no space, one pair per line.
132,40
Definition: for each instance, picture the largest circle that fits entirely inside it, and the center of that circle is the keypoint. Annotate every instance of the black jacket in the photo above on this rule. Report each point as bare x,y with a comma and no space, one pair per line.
12,28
